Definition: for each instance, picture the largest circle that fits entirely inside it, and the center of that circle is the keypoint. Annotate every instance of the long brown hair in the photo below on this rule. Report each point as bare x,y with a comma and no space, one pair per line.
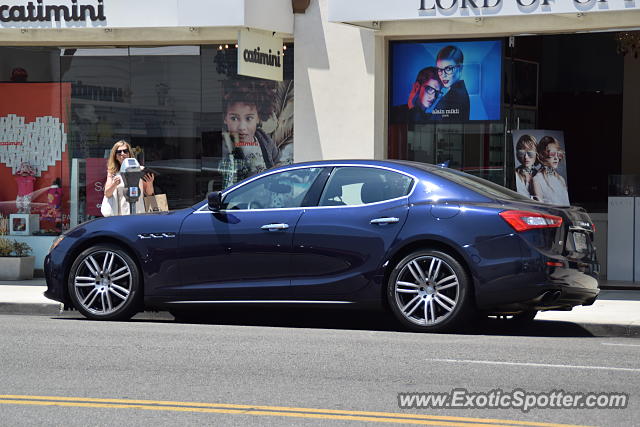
113,164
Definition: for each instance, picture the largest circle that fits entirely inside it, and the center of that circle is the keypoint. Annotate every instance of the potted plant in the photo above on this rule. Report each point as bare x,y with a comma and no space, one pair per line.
16,262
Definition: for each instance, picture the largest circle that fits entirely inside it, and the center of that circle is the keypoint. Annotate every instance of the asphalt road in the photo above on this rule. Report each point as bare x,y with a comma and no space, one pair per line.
254,368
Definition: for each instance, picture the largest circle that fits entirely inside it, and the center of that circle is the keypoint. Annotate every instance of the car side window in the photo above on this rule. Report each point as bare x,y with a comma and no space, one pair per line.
352,185
285,189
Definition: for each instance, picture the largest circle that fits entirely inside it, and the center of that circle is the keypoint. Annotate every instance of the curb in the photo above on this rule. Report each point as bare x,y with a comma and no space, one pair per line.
57,309
611,330
42,309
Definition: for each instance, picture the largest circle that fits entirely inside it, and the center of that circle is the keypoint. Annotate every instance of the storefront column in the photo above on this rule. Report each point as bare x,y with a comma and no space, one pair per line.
339,100
631,112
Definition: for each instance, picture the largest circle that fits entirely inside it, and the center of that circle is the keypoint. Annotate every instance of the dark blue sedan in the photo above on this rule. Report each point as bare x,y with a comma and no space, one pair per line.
434,245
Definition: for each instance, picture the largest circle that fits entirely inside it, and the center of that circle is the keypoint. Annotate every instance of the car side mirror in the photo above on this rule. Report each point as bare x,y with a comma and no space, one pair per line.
215,201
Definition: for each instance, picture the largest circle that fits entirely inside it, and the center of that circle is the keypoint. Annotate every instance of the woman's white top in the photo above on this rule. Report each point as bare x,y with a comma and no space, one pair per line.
552,188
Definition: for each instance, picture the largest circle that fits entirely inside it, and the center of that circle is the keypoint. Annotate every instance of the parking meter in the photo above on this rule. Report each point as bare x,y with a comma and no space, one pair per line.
131,173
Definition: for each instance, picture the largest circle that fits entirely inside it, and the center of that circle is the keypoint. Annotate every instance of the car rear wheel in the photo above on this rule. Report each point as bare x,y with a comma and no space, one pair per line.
104,283
429,291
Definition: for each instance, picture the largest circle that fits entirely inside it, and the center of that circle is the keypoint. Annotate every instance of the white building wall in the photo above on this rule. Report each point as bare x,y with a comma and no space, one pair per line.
337,93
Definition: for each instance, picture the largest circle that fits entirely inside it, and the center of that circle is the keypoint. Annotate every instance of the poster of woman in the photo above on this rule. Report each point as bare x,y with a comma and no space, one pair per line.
446,81
541,168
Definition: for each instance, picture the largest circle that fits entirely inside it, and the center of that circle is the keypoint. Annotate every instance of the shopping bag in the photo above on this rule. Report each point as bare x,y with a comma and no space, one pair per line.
108,206
156,203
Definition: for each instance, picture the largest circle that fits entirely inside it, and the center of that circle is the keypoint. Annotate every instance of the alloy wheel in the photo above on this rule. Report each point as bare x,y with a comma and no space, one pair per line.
427,290
103,282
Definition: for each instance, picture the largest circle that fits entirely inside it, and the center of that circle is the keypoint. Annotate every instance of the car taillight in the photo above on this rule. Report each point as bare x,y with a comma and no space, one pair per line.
525,220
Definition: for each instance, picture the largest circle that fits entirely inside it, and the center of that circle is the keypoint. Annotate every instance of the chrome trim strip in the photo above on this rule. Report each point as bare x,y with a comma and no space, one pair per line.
272,227
389,220
205,209
259,302
578,228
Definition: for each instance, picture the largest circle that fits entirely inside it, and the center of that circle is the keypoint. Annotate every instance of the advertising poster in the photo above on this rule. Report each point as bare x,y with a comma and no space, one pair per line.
257,129
541,165
95,180
446,81
33,159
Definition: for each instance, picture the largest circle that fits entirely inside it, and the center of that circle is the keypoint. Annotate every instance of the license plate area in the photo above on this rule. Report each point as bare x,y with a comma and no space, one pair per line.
580,242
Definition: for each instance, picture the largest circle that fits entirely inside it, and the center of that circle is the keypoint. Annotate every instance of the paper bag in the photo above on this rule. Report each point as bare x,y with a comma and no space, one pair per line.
156,203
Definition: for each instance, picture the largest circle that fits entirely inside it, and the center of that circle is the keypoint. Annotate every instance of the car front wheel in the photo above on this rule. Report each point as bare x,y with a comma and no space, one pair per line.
429,291
104,283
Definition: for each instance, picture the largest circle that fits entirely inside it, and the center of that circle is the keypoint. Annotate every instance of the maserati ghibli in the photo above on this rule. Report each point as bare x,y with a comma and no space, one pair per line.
435,246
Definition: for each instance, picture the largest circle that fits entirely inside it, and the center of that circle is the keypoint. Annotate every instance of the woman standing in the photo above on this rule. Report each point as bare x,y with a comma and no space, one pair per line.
548,185
114,187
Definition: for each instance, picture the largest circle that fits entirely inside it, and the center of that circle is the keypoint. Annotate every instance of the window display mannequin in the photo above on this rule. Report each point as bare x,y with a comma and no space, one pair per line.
25,178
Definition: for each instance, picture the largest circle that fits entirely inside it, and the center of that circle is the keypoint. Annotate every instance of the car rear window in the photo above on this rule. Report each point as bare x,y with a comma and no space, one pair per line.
479,185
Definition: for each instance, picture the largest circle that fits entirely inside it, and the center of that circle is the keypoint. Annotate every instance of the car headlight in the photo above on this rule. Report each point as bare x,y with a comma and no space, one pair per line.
56,242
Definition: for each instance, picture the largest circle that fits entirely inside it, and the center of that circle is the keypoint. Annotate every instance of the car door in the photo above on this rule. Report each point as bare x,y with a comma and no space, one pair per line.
244,250
339,244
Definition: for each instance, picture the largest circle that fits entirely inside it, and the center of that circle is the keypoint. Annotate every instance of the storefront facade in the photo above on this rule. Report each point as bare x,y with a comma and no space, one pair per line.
565,71
159,75
75,77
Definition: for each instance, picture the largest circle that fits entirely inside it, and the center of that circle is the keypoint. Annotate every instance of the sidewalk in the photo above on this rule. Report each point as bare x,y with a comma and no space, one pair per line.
615,312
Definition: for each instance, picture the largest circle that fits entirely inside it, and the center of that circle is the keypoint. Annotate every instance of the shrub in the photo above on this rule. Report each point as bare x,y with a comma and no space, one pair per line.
10,248
6,247
21,249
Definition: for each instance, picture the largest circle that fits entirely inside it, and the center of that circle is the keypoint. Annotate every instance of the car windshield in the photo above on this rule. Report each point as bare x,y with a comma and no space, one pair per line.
479,185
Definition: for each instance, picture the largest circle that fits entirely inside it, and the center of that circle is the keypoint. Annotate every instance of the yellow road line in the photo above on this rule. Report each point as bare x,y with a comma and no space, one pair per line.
281,411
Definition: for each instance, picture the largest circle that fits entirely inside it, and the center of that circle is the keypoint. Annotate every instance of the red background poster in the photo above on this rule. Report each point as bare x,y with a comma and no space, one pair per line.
32,101
96,176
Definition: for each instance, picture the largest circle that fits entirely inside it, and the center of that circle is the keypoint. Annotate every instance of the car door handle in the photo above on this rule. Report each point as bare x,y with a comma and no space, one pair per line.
275,227
386,220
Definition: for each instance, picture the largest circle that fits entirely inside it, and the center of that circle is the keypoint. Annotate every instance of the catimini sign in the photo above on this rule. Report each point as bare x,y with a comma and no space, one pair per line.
225,16
260,54
39,11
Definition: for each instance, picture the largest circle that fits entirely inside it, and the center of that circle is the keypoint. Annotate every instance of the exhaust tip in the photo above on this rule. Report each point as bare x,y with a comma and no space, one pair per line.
550,297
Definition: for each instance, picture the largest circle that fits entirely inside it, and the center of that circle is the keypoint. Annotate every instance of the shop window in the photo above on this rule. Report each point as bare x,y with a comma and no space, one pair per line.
166,90
178,107
446,105
33,136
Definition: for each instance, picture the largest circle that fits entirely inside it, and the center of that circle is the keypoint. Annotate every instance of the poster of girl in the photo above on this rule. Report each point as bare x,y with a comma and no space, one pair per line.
549,186
541,169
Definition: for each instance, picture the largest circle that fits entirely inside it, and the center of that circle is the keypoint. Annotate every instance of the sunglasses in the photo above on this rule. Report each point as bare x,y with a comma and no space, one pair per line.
124,151
558,154
530,154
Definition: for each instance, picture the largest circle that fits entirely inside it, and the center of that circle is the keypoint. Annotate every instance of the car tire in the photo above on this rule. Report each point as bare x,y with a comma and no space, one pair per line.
104,283
430,291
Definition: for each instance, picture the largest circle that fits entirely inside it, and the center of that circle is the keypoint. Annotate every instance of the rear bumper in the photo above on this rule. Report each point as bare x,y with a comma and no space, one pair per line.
558,289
